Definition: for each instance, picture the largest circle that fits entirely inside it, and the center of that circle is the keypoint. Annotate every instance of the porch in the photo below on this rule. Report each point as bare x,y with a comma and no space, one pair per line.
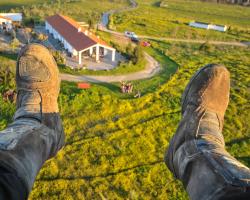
105,62
96,53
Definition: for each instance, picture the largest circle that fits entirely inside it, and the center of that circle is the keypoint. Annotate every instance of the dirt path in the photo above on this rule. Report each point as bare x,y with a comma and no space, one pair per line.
230,43
152,68
215,42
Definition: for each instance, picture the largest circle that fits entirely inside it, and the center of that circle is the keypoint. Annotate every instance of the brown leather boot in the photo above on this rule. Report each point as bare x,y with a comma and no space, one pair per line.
38,87
196,154
36,133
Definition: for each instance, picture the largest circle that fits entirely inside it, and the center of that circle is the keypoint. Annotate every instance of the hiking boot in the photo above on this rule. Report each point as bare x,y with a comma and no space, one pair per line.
196,154
36,133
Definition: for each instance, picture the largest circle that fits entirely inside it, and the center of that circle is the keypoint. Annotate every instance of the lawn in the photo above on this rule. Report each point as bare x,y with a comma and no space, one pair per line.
5,5
80,10
115,143
172,21
121,69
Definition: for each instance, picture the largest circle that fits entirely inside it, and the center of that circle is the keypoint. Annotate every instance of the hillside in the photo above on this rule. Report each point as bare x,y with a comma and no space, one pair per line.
172,20
115,143
80,10
115,146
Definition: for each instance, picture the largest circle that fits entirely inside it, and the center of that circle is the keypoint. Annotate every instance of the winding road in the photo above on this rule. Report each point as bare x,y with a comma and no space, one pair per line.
152,67
150,70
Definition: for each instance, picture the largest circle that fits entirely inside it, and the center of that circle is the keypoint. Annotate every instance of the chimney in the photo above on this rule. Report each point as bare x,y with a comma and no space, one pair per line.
79,29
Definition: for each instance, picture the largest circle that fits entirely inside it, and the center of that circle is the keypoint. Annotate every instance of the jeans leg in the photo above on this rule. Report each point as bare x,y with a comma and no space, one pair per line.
11,186
24,146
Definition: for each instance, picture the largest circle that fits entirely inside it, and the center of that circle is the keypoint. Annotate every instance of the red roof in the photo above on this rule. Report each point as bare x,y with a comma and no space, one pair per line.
69,30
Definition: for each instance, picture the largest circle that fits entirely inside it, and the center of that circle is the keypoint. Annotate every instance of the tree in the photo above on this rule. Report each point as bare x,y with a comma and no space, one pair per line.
13,34
60,59
93,19
138,54
41,37
14,44
27,34
130,50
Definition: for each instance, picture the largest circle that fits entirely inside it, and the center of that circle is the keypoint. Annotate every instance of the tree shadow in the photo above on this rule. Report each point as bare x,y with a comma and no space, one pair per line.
69,88
238,140
244,159
156,4
11,56
113,87
102,175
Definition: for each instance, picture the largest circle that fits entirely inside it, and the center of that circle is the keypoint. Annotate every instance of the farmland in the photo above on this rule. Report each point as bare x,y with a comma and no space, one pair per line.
115,143
117,151
172,21
80,10
8,4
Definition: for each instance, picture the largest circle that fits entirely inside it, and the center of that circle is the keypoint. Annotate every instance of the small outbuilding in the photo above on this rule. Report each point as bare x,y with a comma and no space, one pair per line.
203,25
5,23
77,40
15,17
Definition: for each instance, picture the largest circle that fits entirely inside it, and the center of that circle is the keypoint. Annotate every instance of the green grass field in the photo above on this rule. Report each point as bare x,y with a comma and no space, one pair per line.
80,10
171,21
115,143
125,68
8,4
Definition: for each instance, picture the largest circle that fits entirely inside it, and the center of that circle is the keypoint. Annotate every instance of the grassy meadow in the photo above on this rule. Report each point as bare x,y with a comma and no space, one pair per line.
117,151
80,10
8,4
172,21
115,143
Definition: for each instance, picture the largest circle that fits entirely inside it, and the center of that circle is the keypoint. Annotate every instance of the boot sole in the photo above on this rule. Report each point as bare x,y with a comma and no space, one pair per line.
170,152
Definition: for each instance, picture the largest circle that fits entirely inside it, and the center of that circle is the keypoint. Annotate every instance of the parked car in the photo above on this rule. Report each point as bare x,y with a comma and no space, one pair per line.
130,34
135,39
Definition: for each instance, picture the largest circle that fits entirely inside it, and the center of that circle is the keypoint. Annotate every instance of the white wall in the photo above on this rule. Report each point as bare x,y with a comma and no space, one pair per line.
56,35
208,26
218,28
198,25
5,21
8,23
17,17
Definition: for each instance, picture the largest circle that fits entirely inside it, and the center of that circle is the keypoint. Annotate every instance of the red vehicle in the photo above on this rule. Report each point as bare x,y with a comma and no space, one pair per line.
145,44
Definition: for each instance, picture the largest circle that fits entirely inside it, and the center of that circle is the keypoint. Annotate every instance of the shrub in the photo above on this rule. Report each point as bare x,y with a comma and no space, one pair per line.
138,54
41,37
60,59
14,44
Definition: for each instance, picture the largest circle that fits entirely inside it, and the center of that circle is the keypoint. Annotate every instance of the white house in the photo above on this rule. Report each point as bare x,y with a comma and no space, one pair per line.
221,28
5,23
15,17
75,39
